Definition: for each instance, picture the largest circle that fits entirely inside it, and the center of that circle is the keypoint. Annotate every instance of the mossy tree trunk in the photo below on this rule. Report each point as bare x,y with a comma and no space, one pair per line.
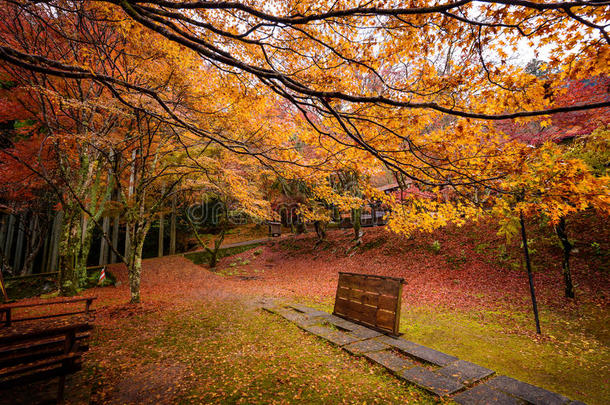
69,247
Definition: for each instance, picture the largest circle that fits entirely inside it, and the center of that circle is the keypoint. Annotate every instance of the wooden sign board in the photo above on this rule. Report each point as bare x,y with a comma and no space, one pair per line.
370,300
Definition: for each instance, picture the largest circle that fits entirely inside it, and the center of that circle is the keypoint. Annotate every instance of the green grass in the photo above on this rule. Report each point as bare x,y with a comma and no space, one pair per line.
231,352
203,257
572,357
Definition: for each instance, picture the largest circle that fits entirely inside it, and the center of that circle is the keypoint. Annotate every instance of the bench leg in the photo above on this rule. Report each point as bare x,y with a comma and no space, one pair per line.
60,389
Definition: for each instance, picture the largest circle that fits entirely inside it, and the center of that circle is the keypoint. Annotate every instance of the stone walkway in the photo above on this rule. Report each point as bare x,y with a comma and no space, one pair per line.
439,373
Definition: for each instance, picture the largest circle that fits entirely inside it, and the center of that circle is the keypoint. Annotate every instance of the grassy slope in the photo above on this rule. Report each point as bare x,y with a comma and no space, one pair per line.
471,298
228,352
198,337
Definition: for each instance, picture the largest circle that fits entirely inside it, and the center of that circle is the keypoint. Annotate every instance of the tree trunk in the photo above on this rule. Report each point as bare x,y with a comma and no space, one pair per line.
34,244
530,276
21,224
8,245
46,242
172,228
69,247
115,240
214,252
4,219
161,232
135,260
320,227
356,215
560,230
103,260
54,242
85,248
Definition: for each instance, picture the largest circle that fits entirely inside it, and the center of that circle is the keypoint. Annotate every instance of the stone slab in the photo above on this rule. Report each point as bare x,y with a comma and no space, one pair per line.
419,352
431,381
389,360
365,346
465,372
365,333
527,392
334,336
342,323
296,317
309,311
483,394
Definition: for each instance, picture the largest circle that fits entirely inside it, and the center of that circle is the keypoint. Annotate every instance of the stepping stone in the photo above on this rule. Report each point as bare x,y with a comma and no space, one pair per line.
342,323
465,372
431,381
341,338
484,395
336,337
420,352
365,333
296,317
365,346
269,308
309,311
527,392
390,360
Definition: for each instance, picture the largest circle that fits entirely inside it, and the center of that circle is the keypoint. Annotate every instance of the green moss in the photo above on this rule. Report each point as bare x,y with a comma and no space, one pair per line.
203,257
232,353
567,359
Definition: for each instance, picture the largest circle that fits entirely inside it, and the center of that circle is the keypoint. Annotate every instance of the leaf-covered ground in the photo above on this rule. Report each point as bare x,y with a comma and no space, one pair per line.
200,336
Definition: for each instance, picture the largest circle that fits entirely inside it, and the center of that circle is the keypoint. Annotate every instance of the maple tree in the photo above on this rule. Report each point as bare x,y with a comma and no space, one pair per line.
406,88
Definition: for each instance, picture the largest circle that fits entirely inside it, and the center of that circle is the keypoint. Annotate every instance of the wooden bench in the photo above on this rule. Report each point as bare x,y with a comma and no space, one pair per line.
370,300
34,355
9,319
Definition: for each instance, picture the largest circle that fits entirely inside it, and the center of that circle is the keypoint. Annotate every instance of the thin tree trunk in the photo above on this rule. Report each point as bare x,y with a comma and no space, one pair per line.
56,236
103,259
9,238
115,240
85,248
21,224
46,241
530,276
161,232
172,228
135,260
69,247
34,244
4,219
320,227
560,230
130,190
356,216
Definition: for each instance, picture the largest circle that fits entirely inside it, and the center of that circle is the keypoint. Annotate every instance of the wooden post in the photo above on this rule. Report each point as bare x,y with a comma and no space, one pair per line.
172,228
88,306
